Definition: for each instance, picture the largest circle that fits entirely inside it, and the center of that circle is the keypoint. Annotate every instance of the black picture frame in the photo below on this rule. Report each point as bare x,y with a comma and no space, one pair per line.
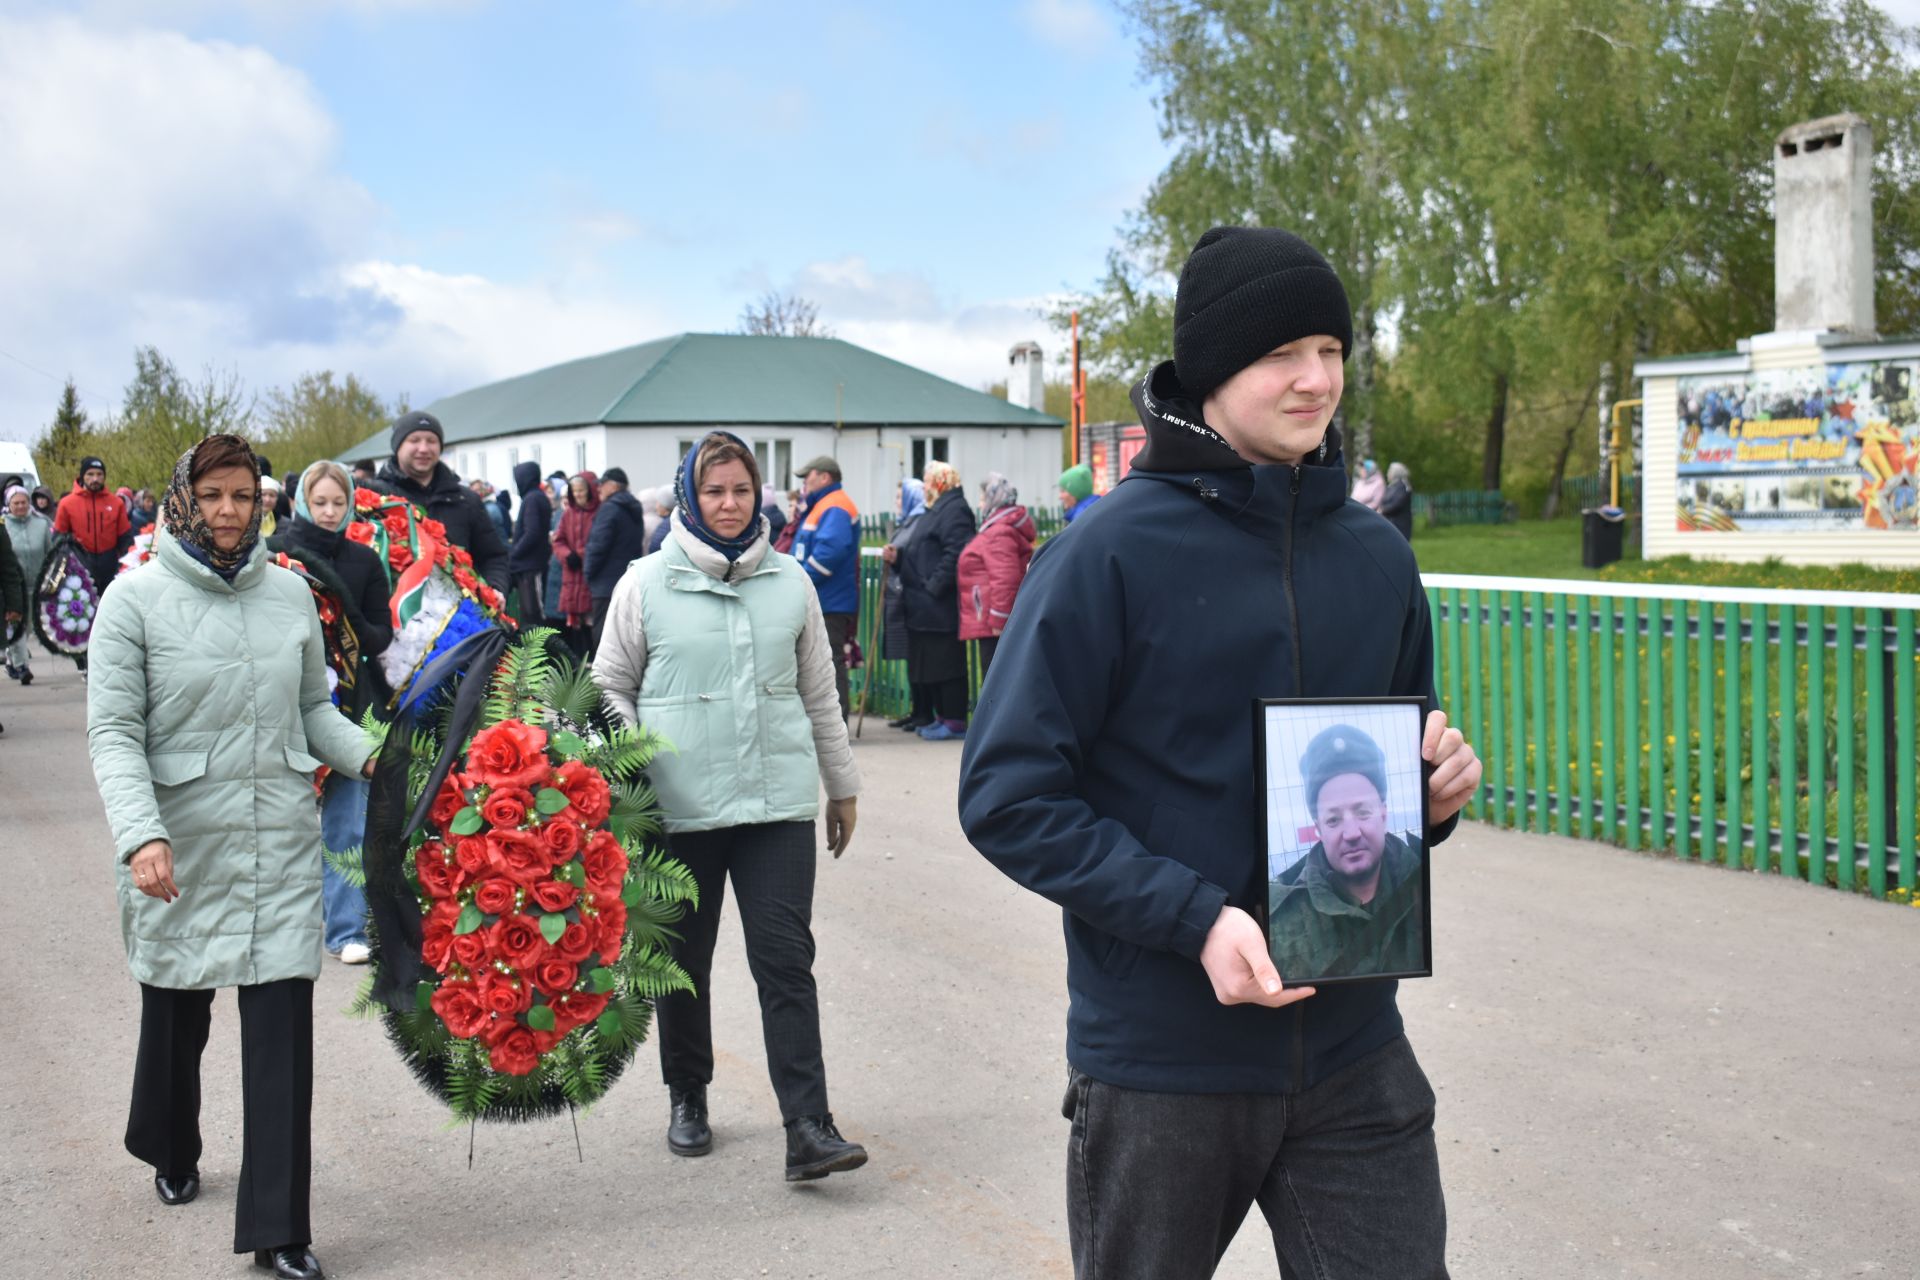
1288,876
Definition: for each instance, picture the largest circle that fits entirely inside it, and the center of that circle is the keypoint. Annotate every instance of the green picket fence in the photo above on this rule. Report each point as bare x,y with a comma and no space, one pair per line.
1462,506
1772,730
875,530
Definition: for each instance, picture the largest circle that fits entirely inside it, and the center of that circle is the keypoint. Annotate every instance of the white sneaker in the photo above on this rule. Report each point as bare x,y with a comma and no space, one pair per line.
355,953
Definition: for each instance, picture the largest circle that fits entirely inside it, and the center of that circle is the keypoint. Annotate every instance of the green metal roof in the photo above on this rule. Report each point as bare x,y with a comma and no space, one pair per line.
718,379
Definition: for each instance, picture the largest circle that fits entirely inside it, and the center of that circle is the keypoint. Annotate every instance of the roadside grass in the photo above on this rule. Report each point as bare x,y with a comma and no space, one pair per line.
1551,549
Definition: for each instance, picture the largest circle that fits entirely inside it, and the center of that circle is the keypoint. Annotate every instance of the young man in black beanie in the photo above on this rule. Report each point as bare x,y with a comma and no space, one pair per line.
416,473
1110,768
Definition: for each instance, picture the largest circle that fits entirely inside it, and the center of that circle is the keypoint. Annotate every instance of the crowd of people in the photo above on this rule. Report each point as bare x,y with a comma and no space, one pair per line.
730,625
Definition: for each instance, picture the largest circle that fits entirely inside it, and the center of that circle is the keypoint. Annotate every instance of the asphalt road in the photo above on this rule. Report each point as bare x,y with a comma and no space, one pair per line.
1644,1068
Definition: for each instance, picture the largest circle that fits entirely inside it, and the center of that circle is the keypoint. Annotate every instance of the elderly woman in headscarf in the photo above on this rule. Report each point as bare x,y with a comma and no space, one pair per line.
994,565
893,606
207,716
31,534
577,510
929,574
316,537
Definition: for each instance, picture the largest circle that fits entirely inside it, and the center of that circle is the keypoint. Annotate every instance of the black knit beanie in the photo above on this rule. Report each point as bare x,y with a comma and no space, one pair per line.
1245,291
412,422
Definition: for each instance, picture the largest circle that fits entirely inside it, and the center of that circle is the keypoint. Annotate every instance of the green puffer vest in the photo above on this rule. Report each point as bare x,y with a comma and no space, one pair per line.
722,686
206,707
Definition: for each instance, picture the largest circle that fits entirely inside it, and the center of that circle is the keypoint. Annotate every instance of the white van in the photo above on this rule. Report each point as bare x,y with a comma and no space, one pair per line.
17,460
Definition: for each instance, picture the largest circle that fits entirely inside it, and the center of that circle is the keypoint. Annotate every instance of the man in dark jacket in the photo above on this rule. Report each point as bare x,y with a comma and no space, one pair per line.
828,548
619,537
415,473
532,543
1110,767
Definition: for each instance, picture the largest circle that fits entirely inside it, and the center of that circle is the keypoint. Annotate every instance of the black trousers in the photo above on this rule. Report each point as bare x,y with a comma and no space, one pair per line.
276,1079
840,627
771,866
532,588
987,645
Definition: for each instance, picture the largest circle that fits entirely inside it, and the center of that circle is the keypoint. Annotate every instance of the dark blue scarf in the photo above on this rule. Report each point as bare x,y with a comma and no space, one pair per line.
686,497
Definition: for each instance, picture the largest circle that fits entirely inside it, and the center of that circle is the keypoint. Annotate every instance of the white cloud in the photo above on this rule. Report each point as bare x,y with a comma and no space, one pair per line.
188,194
1077,26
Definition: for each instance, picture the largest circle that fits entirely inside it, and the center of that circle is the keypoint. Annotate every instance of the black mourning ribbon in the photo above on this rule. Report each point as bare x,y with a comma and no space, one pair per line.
390,823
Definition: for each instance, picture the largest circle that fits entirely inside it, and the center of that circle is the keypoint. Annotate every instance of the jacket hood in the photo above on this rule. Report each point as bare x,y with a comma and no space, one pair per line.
526,477
1016,518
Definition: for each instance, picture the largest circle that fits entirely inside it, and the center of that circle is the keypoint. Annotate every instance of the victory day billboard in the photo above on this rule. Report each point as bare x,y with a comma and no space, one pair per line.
1821,448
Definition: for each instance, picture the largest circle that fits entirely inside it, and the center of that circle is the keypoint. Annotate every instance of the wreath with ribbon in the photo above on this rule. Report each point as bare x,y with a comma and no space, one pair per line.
520,903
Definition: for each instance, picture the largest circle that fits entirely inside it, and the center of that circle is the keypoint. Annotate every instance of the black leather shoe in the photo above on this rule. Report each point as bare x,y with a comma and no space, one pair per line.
912,724
816,1149
290,1262
176,1190
688,1133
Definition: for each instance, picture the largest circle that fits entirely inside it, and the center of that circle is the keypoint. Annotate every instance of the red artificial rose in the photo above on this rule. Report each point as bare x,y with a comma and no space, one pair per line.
467,581
470,949
516,1054
494,896
545,1040
561,837
586,792
554,895
445,911
395,523
575,945
458,1004
507,806
434,528
462,557
509,754
360,533
516,939
610,933
505,995
606,864
578,1008
517,855
555,977
471,853
436,944
438,875
400,557
366,499
450,800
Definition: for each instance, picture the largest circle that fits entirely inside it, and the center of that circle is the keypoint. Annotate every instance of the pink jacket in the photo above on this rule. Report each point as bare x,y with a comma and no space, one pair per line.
991,569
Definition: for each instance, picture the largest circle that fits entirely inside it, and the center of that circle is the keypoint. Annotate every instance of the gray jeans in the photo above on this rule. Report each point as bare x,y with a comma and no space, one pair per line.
1346,1173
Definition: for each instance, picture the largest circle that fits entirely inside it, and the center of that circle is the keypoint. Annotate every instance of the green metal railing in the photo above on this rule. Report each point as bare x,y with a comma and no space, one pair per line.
875,530
1765,729
1462,506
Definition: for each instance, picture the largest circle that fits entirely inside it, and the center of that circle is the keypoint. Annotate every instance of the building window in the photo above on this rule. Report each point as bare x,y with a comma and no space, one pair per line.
579,456
513,457
776,460
479,464
928,449
533,453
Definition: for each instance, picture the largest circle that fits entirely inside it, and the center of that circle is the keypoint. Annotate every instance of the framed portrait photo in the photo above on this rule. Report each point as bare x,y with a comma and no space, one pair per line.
1345,816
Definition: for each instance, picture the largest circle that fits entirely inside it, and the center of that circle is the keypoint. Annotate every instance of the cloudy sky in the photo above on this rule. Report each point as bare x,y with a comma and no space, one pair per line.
435,193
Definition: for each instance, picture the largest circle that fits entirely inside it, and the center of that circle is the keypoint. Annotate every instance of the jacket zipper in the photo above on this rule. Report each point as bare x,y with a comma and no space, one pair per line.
1293,607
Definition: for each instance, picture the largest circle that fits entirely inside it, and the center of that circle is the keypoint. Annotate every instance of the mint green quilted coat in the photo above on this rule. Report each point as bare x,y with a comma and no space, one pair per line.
207,714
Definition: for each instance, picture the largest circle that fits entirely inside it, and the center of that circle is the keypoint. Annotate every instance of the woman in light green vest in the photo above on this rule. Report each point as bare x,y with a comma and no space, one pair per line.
207,715
718,644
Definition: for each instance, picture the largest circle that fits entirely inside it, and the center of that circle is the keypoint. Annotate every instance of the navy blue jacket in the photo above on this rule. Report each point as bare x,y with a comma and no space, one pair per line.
618,538
1110,764
532,543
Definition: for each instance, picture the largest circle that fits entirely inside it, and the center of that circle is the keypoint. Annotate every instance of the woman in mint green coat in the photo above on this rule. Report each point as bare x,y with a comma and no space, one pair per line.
207,715
717,642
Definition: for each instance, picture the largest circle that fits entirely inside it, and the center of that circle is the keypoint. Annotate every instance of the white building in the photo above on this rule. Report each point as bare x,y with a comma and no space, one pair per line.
792,399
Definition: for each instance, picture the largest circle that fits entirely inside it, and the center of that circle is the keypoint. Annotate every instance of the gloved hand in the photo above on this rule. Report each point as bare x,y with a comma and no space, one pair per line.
574,562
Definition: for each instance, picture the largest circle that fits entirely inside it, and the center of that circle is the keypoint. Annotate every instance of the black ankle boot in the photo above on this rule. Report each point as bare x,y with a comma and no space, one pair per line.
290,1262
687,1132
816,1149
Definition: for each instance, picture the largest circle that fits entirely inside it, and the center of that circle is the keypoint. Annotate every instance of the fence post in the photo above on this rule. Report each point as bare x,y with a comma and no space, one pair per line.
1496,677
1904,711
1876,754
1816,745
1632,752
1788,657
1562,780
1845,715
1682,735
1475,679
1705,802
1538,630
1517,711
1607,743
1583,719
1656,734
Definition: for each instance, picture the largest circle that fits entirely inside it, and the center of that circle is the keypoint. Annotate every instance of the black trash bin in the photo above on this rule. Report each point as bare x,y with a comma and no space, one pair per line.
1602,534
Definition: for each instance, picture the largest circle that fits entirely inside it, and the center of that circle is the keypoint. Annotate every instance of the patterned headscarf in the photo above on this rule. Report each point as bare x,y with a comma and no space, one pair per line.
180,515
997,492
913,498
940,478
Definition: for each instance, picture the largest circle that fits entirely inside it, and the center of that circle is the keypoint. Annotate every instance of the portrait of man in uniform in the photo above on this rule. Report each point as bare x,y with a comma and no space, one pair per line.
1347,875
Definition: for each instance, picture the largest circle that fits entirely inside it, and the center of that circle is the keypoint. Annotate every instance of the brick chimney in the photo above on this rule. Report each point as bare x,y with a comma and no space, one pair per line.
1823,227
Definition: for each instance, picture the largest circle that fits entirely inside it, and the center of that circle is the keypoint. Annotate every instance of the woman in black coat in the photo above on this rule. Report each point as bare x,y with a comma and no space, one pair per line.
928,568
1396,504
316,537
